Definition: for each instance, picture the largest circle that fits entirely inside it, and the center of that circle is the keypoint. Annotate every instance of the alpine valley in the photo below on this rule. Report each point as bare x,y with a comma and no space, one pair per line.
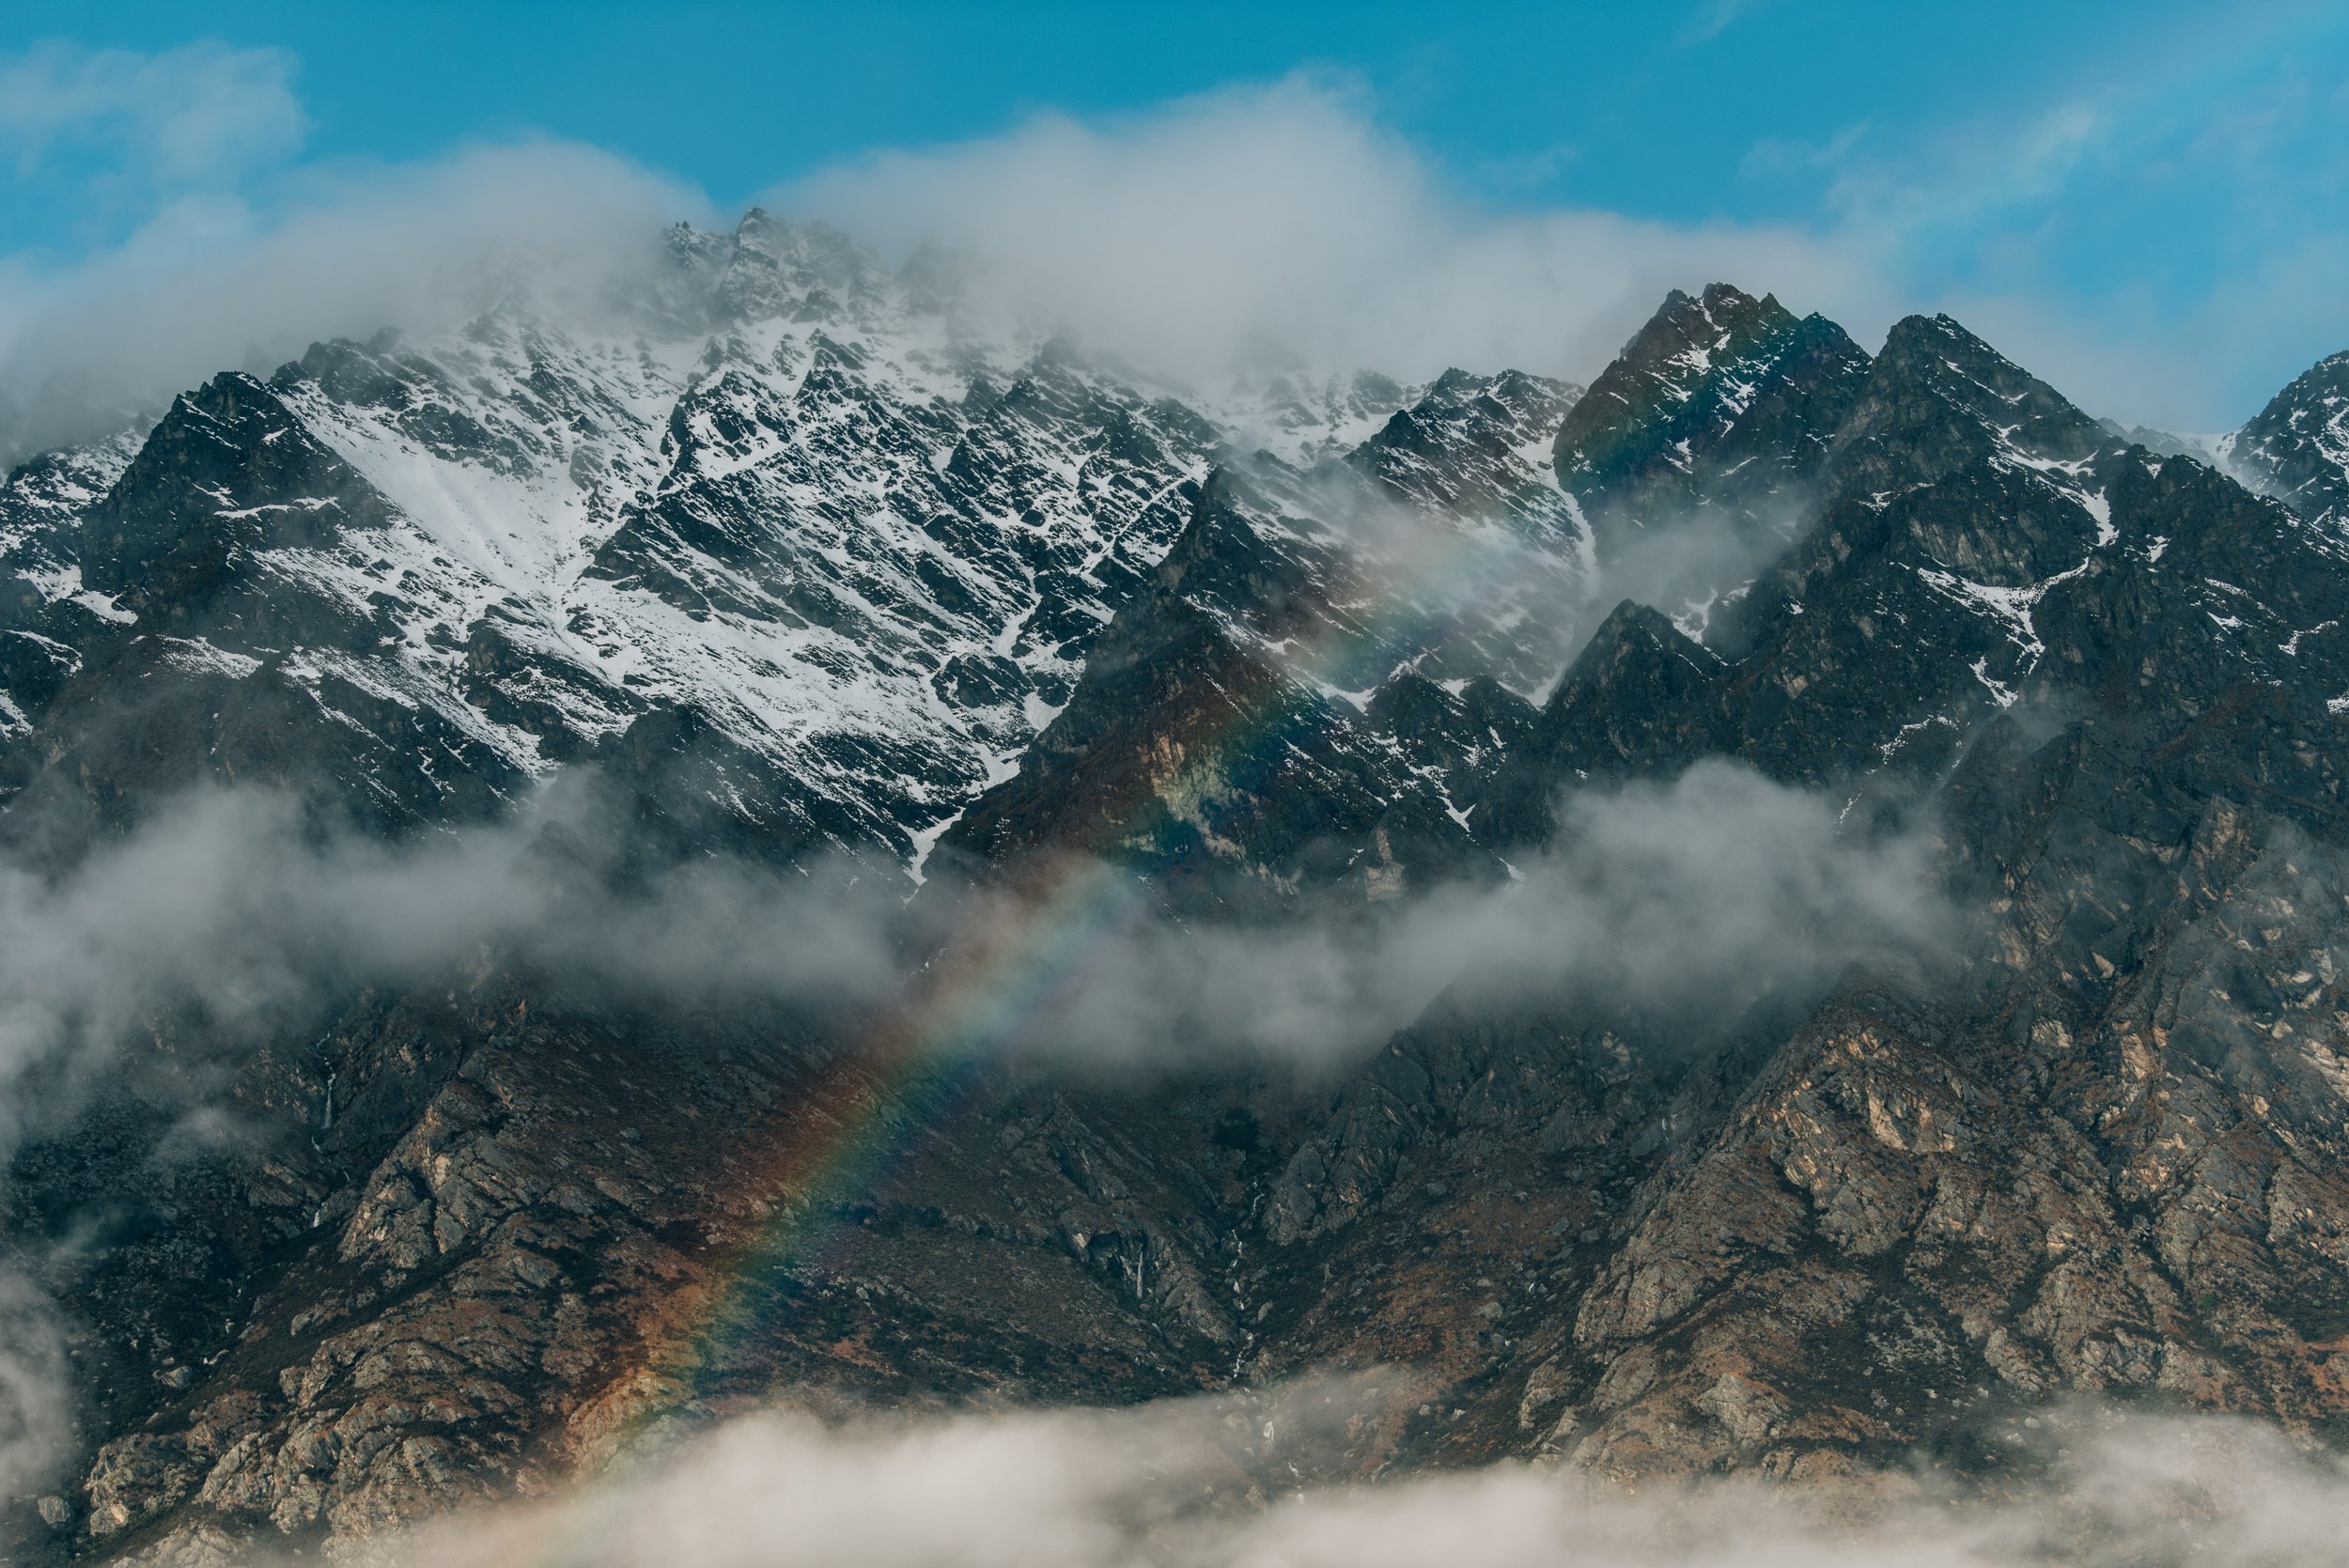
801,584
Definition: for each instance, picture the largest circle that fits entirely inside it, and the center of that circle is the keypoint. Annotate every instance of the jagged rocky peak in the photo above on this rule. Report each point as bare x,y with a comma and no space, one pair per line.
1470,445
1938,398
2297,449
1317,675
229,472
1721,403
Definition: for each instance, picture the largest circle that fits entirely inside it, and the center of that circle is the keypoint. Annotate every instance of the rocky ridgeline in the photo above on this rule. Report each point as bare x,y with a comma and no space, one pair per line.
813,572
794,553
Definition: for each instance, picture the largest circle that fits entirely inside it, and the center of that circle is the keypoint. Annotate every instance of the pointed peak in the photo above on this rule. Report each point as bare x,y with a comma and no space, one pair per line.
1937,400
1723,315
1938,332
2297,448
1720,384
1718,298
230,395
1635,626
2327,378
1728,306
1937,351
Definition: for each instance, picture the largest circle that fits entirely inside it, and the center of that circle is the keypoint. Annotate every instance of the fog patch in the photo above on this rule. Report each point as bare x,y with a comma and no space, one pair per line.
36,1414
1698,567
226,911
1703,893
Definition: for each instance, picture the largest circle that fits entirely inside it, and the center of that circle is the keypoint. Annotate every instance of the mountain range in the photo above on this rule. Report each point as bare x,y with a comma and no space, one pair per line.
1782,912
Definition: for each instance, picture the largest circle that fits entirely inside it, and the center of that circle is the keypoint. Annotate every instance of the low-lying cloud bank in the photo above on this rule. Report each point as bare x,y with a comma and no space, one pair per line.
227,920
1720,884
224,909
1250,1483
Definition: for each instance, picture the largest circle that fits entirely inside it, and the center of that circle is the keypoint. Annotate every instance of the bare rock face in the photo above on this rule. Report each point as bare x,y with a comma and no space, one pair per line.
1720,403
820,580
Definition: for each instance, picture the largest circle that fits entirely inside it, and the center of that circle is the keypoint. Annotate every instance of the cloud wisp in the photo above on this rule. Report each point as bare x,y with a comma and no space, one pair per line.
203,113
1720,884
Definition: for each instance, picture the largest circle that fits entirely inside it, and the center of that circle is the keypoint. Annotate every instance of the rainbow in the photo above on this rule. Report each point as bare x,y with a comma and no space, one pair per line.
990,981
868,1109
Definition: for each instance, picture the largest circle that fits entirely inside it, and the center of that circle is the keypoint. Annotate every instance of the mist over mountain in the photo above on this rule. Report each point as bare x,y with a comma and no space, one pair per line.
743,862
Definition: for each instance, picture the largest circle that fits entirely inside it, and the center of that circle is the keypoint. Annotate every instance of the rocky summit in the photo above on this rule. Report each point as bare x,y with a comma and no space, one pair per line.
1778,914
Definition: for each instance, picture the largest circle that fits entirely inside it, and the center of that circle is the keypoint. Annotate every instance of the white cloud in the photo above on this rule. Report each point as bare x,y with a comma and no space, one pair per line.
2158,239
1263,222
203,112
1281,222
212,284
1259,224
1713,18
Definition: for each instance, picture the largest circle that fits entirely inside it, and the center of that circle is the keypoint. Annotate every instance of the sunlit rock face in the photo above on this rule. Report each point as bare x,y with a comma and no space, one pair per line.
1591,716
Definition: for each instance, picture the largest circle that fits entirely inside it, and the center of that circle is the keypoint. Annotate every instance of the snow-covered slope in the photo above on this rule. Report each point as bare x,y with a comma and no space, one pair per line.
788,540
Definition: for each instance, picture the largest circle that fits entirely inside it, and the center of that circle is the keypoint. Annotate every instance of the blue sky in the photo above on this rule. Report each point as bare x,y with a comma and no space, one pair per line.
2148,203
